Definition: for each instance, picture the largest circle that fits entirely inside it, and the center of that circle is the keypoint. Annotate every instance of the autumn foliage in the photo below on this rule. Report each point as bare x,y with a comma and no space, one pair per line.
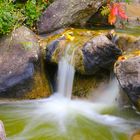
116,10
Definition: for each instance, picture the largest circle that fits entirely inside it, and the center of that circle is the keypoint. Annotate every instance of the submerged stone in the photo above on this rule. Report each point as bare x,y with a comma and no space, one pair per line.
20,71
127,71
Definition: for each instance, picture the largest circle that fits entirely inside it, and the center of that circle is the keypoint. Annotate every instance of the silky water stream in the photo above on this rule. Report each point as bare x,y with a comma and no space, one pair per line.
60,118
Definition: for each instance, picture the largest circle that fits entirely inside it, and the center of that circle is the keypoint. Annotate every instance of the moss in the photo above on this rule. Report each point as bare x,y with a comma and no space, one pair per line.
81,36
128,43
78,60
40,89
41,86
84,85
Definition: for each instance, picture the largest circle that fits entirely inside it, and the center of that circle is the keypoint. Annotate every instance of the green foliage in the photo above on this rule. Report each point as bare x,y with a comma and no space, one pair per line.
33,10
8,16
14,13
105,10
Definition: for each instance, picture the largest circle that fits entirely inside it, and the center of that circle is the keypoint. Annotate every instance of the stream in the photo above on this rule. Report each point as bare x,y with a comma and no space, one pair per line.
61,118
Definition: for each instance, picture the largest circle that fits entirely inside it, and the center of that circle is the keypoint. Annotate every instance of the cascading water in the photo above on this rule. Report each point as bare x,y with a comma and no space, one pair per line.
66,74
65,78
60,118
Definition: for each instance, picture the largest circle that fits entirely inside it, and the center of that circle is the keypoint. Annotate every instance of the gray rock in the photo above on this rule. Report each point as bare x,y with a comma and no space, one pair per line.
19,55
99,53
67,12
128,75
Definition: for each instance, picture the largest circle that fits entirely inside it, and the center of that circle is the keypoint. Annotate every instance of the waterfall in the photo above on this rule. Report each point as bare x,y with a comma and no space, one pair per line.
65,78
65,75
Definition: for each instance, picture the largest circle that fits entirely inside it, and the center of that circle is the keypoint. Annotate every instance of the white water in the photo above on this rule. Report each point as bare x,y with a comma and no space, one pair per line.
65,78
106,93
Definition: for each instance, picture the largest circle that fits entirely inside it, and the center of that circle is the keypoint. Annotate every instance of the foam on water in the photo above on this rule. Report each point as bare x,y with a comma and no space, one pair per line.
106,93
62,114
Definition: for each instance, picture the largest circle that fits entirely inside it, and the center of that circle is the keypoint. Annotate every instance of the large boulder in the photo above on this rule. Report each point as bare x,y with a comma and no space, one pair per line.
90,50
67,12
20,66
128,74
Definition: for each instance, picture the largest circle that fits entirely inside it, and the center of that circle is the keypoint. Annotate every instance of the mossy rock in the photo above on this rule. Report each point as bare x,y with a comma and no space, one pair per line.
90,50
21,67
85,85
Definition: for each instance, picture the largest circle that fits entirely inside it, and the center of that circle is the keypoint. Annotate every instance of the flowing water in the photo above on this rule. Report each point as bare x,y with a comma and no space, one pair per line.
65,78
60,118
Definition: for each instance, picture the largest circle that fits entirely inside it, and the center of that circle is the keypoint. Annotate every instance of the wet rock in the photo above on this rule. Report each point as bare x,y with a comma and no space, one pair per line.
99,53
2,131
91,51
62,13
123,99
84,85
128,75
128,43
20,71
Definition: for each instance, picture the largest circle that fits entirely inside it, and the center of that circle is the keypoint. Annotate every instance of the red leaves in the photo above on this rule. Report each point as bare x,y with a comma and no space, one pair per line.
116,10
